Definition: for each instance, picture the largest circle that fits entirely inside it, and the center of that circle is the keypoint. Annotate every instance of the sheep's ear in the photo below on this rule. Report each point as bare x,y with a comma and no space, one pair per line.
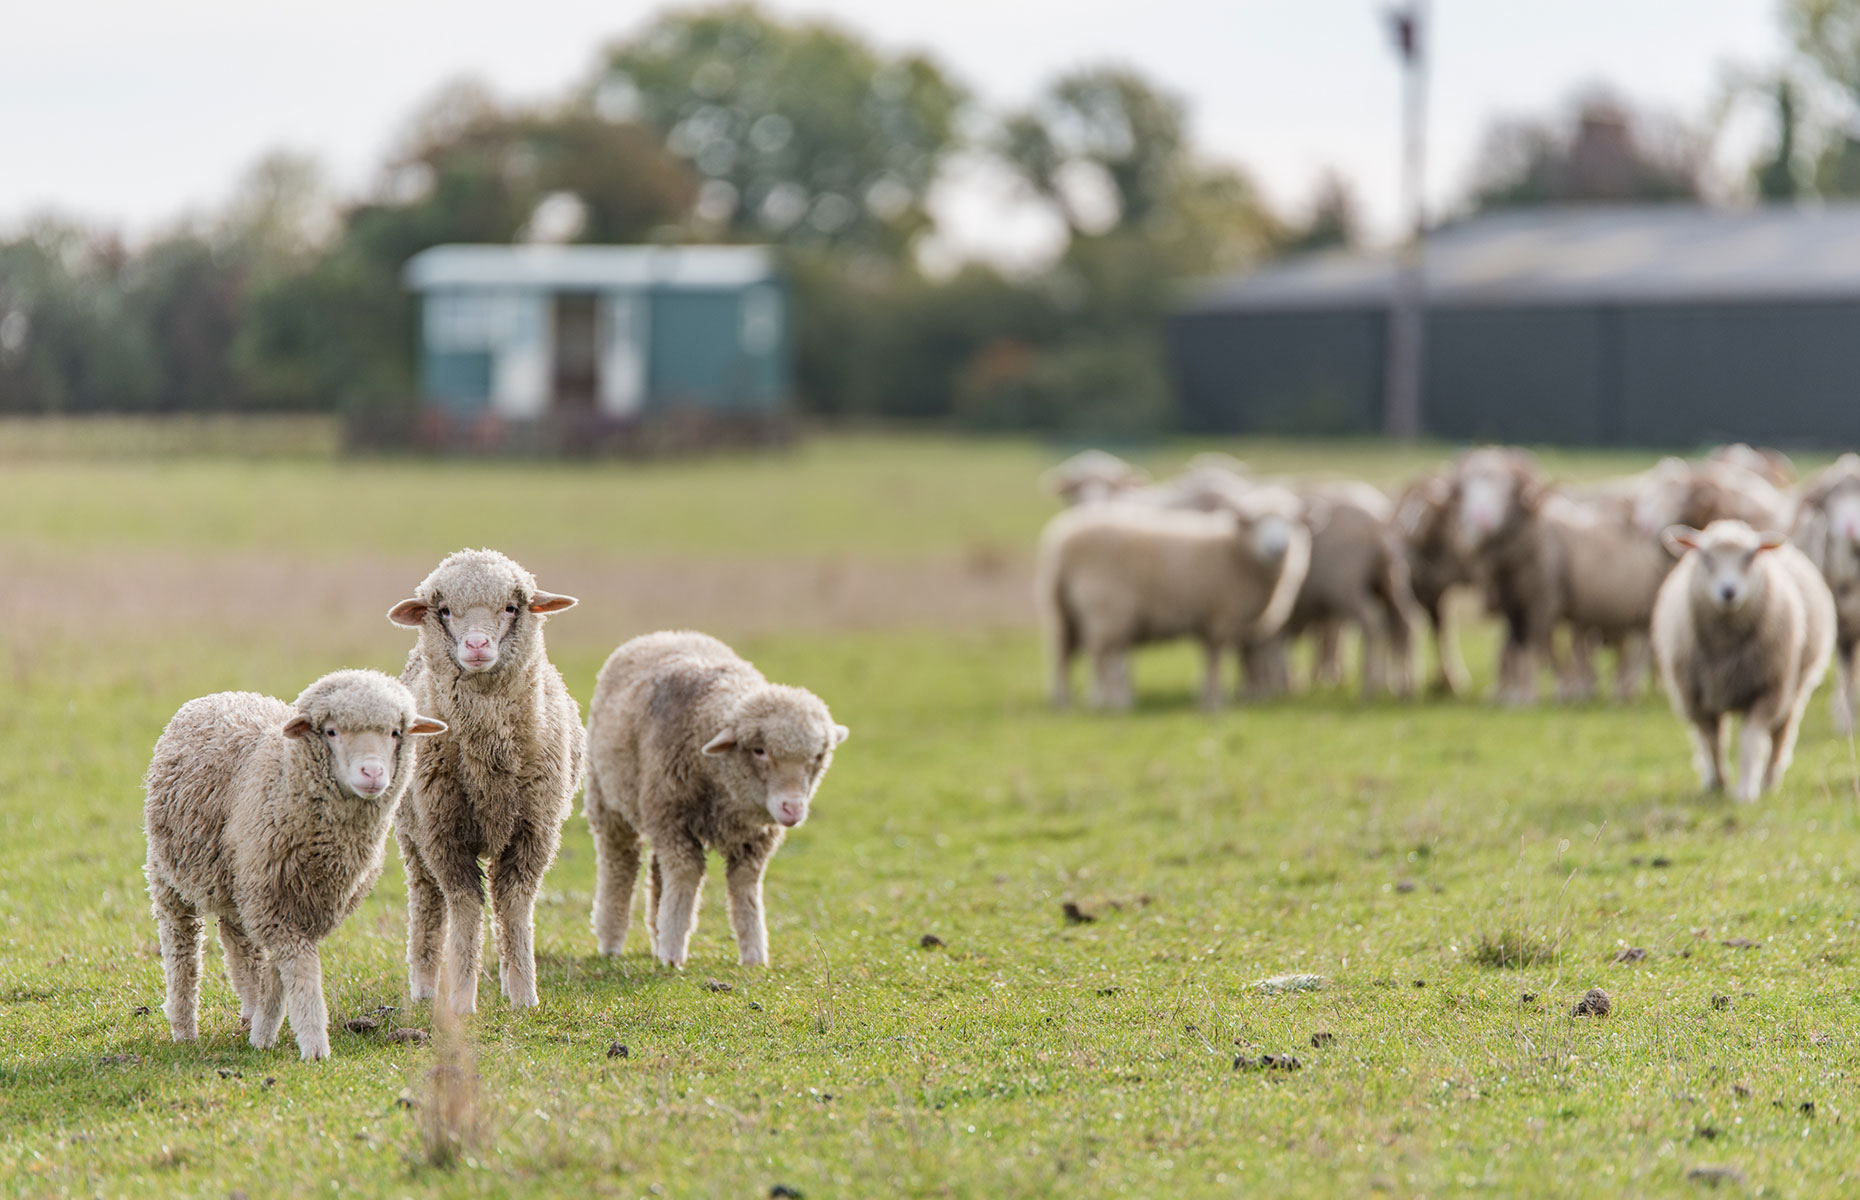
299,726
1679,539
723,743
420,725
1531,494
840,734
1771,541
411,613
549,602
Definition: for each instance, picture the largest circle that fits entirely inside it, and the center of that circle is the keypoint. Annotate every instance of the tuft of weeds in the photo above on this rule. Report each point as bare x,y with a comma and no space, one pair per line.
1507,948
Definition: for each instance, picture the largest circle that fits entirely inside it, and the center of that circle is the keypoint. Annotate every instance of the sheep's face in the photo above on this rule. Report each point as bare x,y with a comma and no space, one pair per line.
776,749
1491,488
1269,520
1665,492
481,607
359,723
1726,557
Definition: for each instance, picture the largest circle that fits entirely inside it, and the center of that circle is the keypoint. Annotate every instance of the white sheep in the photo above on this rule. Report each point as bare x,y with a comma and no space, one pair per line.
1091,476
497,785
1743,625
691,748
1114,576
1828,531
273,818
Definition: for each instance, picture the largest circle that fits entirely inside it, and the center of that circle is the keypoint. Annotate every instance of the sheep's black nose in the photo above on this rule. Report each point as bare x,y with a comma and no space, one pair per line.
1726,592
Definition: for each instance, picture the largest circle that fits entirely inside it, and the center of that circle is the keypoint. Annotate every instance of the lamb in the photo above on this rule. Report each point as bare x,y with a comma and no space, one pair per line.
1113,576
691,748
496,785
1606,576
1496,493
273,817
1773,465
1744,624
1436,568
1358,575
1828,531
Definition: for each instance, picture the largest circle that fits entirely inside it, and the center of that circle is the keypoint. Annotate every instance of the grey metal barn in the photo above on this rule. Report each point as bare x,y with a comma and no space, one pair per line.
1660,326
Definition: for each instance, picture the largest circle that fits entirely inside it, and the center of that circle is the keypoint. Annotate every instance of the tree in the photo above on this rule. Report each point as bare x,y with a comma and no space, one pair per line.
1826,34
1102,146
1334,221
68,342
800,133
1601,152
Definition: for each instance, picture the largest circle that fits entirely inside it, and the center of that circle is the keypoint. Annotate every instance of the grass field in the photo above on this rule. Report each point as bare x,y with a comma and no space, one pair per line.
1458,877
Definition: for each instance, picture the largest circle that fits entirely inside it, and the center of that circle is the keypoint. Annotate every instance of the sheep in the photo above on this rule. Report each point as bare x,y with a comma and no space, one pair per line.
1605,577
1744,624
497,785
1358,575
1828,531
1113,576
691,748
273,818
1496,493
1436,568
1090,476
1773,465
1676,492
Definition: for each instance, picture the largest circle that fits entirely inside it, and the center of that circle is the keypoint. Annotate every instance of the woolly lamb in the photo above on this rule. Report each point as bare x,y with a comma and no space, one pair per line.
1436,568
1677,492
495,786
691,748
1113,576
1744,624
1828,531
273,817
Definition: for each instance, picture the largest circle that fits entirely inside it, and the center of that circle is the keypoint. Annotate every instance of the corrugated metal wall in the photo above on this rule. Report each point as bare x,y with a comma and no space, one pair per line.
1671,375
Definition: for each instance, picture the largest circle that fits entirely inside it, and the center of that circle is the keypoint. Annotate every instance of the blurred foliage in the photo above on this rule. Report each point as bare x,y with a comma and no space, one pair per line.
725,124
1601,151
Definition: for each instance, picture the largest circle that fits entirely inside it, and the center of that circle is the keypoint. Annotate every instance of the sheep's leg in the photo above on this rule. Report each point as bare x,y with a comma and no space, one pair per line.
1104,676
1211,676
655,888
1709,735
1844,688
1782,742
426,923
1255,668
679,861
300,971
268,1016
516,877
1063,648
182,935
1451,674
1401,626
461,882
1113,670
1753,759
1632,657
1368,617
616,870
243,964
744,880
1576,678
1327,668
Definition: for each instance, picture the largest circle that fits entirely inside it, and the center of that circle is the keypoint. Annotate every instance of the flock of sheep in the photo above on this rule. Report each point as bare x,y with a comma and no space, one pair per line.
273,818
1741,583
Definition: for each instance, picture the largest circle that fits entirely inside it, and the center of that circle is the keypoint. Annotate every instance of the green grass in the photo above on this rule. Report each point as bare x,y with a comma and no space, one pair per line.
1434,863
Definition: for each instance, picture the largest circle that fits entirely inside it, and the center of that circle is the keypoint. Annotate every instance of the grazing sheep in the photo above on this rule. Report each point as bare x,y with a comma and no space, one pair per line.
1676,492
1358,575
496,785
273,817
691,748
1828,531
1115,576
1090,476
1606,576
1744,624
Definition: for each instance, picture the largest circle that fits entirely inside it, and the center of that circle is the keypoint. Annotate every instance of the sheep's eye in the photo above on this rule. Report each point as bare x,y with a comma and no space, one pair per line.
760,752
445,612
396,733
329,733
510,608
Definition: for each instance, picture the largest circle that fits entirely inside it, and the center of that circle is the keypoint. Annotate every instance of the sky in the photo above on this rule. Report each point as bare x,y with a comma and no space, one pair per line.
132,113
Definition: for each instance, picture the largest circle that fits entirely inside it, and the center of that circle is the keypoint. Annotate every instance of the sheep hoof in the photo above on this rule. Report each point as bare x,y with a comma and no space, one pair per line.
315,1050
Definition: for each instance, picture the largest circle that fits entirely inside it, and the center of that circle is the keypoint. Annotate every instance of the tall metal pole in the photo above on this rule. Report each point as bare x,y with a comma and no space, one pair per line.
1401,410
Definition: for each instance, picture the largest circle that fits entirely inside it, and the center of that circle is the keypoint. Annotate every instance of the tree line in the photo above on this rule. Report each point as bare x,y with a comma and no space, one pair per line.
733,125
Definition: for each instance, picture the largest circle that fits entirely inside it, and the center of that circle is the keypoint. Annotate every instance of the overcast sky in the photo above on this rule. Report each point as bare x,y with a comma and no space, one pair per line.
132,112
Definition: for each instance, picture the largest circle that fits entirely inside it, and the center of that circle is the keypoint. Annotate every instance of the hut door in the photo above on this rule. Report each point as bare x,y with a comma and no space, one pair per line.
577,352
623,354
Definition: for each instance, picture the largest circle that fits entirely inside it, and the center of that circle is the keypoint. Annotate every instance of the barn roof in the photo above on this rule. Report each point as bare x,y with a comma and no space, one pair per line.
1593,254
589,268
